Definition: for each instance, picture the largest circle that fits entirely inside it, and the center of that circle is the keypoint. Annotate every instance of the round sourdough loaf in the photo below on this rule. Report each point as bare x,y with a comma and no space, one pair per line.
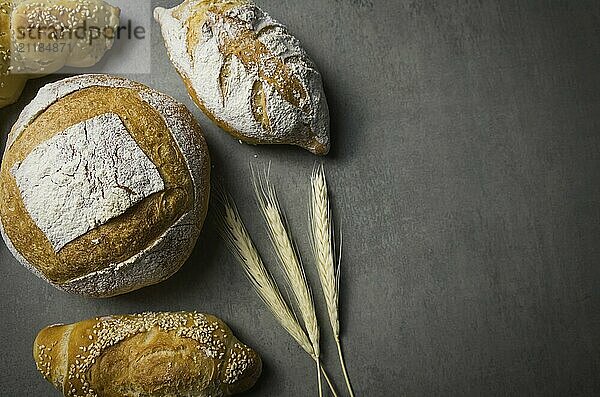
104,185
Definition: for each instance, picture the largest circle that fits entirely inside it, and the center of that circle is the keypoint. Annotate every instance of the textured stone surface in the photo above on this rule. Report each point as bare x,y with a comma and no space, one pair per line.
84,176
465,166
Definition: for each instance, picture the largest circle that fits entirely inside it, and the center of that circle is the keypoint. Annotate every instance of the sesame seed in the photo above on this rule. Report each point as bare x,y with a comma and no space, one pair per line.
109,331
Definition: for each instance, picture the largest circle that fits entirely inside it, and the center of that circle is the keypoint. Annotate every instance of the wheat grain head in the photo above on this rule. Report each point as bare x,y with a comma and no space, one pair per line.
288,256
322,244
241,245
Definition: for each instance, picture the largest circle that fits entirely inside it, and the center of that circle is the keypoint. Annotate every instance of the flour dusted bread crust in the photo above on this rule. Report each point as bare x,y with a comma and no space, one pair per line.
58,27
247,73
104,185
149,354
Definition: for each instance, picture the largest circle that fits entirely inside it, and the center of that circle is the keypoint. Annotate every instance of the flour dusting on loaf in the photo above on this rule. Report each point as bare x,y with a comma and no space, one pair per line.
247,72
96,166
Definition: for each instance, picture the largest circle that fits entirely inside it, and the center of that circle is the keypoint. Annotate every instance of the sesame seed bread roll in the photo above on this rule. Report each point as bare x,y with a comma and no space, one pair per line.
11,85
149,354
48,35
104,185
247,72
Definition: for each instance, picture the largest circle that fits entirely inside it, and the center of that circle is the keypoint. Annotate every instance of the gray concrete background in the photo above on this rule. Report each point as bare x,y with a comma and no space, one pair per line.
465,165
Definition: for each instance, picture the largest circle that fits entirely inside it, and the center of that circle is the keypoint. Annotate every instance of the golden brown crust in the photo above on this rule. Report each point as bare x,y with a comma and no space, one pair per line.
312,145
50,352
151,354
166,363
246,46
5,8
195,22
121,237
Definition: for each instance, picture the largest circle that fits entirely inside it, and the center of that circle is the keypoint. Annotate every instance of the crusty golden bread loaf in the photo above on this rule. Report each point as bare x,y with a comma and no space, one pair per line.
104,185
30,47
247,73
150,354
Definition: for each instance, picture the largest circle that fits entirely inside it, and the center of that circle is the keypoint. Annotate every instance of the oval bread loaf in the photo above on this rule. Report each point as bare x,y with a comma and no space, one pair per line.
104,185
149,354
247,73
32,27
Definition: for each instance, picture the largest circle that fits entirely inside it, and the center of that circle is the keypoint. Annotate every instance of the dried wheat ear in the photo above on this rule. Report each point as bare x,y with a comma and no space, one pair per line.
328,268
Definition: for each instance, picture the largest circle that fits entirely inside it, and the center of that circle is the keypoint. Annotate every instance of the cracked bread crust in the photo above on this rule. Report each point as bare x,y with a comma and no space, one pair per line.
153,238
247,72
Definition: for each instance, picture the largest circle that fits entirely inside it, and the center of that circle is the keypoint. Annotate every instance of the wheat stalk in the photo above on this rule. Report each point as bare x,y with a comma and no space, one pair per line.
241,245
289,259
322,244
